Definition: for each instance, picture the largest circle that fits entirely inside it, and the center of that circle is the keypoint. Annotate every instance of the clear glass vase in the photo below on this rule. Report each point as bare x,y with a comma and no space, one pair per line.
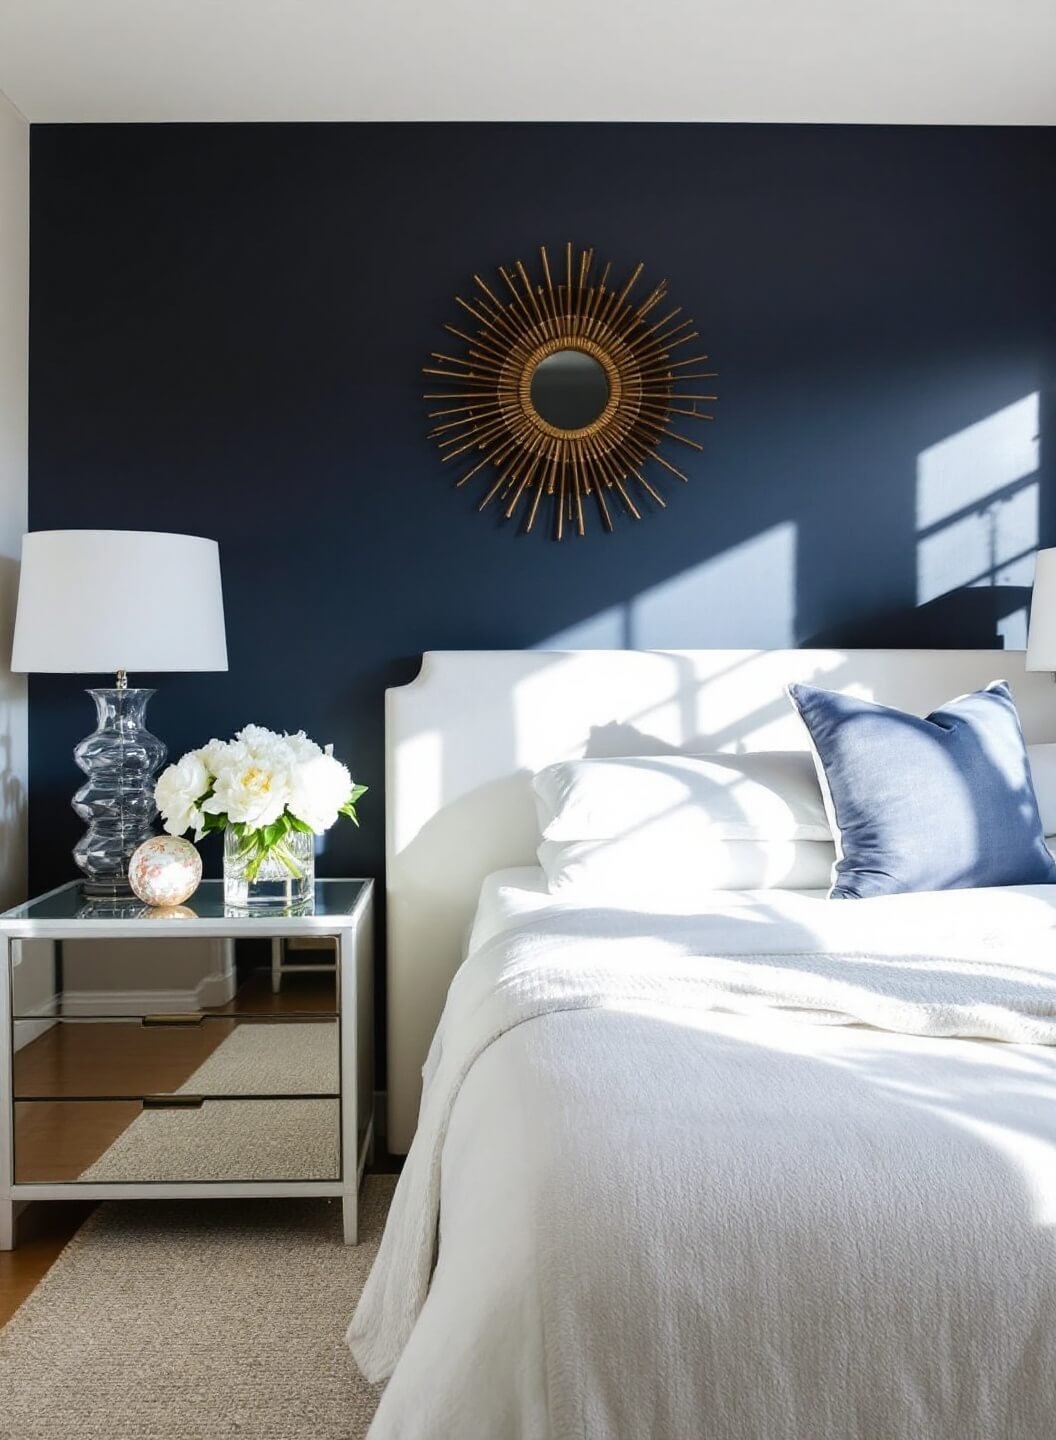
283,881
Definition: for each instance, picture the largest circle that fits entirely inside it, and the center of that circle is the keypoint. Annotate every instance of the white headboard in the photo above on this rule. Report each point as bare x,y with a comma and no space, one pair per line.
465,737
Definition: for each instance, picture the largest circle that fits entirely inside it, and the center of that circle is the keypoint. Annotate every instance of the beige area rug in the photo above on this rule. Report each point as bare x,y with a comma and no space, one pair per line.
292,1058
196,1320
227,1140
242,1139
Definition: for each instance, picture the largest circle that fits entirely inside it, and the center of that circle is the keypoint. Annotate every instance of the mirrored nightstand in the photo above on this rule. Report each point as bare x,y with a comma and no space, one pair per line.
133,1068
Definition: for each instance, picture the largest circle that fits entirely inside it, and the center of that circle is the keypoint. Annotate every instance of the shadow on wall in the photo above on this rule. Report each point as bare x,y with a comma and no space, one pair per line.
969,619
12,809
13,725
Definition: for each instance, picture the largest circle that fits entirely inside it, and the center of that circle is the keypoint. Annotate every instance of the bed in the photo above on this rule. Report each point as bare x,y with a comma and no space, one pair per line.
766,1166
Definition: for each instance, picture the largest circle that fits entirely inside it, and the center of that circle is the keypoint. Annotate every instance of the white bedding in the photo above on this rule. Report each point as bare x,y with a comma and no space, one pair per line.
678,1194
513,896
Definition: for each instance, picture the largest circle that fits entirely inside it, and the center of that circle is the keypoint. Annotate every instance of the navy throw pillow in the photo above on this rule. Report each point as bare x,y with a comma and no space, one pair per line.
942,803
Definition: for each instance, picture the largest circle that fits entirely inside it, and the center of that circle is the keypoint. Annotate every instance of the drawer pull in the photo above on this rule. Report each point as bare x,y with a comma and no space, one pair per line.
174,1017
173,1102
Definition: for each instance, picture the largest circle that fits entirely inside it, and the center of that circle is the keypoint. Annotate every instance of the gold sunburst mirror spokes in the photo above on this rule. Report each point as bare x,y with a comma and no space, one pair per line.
567,389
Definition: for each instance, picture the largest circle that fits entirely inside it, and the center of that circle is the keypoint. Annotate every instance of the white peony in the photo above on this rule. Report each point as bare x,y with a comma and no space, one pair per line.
178,791
257,737
301,748
215,755
318,788
250,790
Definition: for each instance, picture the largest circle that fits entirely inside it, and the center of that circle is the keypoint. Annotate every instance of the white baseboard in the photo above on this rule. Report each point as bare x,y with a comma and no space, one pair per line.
215,989
212,990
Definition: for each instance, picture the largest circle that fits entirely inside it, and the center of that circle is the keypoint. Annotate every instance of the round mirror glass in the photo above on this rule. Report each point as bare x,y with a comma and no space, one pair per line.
569,389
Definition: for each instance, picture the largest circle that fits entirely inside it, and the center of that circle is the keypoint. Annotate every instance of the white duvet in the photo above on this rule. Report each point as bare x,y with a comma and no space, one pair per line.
680,1189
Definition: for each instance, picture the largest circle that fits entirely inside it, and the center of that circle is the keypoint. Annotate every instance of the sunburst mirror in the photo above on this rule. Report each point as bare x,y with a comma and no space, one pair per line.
568,389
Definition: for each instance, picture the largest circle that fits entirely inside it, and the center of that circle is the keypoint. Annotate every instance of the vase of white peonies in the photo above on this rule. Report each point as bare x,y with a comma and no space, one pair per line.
270,795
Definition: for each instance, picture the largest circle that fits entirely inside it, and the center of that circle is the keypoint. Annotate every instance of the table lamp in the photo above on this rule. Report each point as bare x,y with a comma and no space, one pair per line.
117,600
1041,637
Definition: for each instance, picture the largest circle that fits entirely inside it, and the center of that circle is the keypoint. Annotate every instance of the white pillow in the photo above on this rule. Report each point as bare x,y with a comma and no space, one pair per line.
771,795
637,867
1043,772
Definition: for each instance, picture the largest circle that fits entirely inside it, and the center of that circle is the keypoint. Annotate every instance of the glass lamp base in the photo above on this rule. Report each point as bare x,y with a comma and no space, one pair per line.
111,889
116,802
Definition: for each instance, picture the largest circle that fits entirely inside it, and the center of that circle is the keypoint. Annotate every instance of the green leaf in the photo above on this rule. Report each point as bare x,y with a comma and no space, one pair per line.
349,807
299,825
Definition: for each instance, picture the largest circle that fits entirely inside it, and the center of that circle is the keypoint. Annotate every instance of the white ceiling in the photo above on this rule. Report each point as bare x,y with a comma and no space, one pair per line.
870,61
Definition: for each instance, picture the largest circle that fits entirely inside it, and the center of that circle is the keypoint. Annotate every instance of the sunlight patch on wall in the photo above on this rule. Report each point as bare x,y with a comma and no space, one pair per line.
744,597
978,505
607,630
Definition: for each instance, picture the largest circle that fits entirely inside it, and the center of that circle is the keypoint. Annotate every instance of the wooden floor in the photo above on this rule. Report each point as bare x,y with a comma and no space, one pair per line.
43,1232
46,1228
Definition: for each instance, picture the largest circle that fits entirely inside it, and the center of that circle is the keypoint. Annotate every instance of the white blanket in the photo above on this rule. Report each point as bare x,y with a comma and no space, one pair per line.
671,1208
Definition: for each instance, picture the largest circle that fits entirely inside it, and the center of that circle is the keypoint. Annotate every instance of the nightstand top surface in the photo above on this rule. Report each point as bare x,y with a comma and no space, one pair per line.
66,911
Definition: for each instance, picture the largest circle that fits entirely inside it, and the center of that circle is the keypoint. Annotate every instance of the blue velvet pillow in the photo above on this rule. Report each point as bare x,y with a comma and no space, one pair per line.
943,803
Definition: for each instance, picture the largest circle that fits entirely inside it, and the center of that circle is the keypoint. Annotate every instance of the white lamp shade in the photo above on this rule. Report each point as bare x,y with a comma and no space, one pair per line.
1041,638
93,601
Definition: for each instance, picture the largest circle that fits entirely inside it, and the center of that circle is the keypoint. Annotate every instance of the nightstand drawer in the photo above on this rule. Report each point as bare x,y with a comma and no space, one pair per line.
131,1058
129,1142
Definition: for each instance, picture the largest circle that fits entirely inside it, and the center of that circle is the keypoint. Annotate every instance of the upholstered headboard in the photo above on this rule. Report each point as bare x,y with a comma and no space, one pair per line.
465,737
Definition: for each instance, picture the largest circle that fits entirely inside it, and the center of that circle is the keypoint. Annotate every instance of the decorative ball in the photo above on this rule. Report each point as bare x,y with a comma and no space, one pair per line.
168,912
164,870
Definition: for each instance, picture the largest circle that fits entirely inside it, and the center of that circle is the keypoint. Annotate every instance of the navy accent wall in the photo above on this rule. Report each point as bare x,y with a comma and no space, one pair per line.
228,325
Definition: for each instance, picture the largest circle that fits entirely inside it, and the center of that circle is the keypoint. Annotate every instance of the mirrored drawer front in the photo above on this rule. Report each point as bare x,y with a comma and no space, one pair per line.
129,977
129,1058
123,1141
